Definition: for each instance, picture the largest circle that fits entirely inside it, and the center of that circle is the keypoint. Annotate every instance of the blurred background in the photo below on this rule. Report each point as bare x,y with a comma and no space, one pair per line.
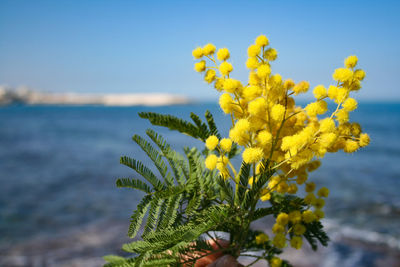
74,75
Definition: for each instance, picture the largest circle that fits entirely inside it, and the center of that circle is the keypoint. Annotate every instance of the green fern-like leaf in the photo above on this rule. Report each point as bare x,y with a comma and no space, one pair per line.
211,124
138,215
262,212
244,175
316,233
201,126
154,155
171,211
133,183
175,160
116,261
143,171
226,190
152,216
172,123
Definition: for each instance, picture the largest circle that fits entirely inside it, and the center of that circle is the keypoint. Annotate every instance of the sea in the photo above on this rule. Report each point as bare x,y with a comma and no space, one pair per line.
59,164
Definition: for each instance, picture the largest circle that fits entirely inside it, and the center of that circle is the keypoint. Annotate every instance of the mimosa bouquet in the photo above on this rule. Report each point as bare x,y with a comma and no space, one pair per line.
200,196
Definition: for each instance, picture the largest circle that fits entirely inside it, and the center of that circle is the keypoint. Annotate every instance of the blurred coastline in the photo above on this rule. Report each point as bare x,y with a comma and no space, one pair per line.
23,95
59,205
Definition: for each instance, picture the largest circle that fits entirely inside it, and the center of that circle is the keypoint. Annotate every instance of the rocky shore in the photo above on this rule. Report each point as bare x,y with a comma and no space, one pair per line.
24,95
86,246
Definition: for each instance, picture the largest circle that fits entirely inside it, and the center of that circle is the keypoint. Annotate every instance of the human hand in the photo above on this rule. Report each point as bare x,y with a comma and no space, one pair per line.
218,259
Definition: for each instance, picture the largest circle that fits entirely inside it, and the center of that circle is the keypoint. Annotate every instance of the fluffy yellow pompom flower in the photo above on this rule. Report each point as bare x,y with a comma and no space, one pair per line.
265,196
332,92
359,75
212,142
226,144
342,75
264,137
277,112
279,240
253,78
211,161
323,192
322,107
288,84
210,76
238,137
295,216
299,229
261,238
252,63
278,228
308,216
263,71
350,104
301,87
276,80
319,91
355,85
232,85
319,203
262,40
209,49
271,54
327,125
282,218
219,83
253,50
282,187
355,129
223,171
342,94
342,116
225,68
200,66
316,108
350,146
251,92
252,154
223,54
239,133
364,140
275,262
313,165
296,242
225,102
310,199
310,187
197,52
319,214
257,107
328,139
351,61
292,189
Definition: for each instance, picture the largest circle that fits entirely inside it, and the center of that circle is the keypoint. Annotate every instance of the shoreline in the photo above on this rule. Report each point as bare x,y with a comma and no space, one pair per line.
86,246
30,97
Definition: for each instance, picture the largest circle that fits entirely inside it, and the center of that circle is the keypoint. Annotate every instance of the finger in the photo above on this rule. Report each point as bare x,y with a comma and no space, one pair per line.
221,243
225,261
204,261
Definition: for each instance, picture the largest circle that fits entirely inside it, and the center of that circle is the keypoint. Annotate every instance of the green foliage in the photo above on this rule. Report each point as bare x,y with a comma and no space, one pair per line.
133,183
186,203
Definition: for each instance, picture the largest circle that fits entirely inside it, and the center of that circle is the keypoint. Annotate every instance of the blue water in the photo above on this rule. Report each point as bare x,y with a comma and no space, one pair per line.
58,167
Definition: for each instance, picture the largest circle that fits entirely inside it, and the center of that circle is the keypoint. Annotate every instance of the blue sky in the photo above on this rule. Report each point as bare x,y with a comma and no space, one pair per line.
145,46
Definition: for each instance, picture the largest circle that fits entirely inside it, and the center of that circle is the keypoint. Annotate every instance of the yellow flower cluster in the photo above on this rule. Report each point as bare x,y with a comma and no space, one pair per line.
223,147
268,124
